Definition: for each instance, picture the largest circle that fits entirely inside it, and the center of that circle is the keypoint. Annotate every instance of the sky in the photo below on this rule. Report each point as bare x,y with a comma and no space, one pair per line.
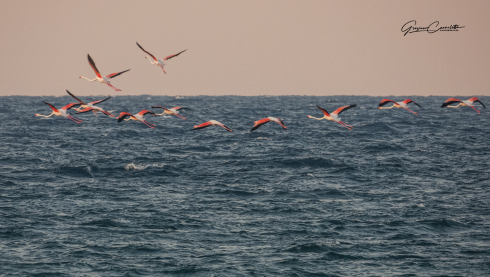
245,47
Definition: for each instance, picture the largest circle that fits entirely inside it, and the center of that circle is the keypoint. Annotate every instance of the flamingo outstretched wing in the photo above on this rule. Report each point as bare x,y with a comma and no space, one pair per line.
144,112
227,129
52,107
122,116
450,101
408,101
92,109
259,123
160,107
474,99
178,108
386,101
81,102
281,123
110,76
323,110
146,51
69,106
344,108
99,101
92,64
174,55
203,125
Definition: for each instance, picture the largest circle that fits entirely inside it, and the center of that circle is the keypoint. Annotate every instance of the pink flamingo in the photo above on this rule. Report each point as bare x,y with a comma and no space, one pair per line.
468,103
104,80
159,62
137,117
210,123
90,106
263,121
403,104
171,111
62,112
334,116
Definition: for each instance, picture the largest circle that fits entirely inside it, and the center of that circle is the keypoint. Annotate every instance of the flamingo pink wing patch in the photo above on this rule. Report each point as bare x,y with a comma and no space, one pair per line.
385,101
474,99
323,110
69,106
259,123
408,101
344,108
122,116
203,125
144,112
450,101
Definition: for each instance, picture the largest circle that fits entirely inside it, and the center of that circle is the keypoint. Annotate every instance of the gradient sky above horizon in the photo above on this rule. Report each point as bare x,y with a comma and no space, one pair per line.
249,47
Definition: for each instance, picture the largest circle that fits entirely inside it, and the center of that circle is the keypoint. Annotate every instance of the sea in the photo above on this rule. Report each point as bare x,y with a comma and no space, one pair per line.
398,195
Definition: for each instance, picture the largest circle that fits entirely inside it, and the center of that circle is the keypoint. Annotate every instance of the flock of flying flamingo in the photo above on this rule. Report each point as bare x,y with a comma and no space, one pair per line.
83,107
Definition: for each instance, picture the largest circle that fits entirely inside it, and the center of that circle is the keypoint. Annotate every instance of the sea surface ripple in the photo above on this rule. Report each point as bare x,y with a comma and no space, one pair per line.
399,195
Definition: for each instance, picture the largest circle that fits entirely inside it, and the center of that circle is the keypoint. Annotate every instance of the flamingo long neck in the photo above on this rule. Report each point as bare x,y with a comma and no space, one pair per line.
95,79
45,115
454,106
318,118
384,108
160,113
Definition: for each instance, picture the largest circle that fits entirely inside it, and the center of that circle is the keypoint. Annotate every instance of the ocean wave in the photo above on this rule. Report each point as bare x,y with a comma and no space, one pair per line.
133,166
75,171
309,162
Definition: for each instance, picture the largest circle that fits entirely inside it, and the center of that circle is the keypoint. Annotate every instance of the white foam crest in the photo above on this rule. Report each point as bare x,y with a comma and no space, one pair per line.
133,166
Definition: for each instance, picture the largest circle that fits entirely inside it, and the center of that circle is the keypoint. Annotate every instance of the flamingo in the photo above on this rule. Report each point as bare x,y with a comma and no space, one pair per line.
171,111
263,121
104,80
62,112
90,106
137,117
402,104
468,103
159,62
209,123
334,116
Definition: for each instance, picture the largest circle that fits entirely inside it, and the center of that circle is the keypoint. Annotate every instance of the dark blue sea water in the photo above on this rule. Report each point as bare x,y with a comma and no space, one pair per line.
399,195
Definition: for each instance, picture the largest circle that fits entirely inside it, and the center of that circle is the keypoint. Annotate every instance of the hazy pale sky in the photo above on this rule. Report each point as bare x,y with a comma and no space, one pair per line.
249,47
